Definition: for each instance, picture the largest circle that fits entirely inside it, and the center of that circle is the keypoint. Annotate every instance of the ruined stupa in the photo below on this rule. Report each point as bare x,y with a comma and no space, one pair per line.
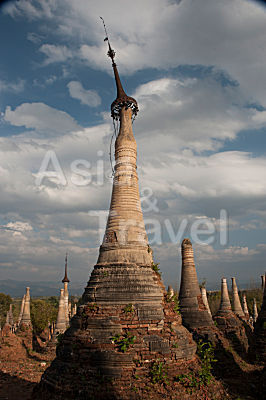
66,281
205,299
125,325
225,305
236,305
26,320
21,309
193,310
260,331
229,322
61,323
255,310
245,306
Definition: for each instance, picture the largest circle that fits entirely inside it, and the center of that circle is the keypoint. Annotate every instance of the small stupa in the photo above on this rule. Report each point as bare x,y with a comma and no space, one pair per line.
194,313
205,299
61,323
262,282
245,306
260,331
225,305
66,281
21,309
26,320
236,305
125,324
255,310
229,322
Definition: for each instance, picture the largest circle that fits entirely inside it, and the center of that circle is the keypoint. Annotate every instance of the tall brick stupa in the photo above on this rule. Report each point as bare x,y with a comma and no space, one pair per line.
125,324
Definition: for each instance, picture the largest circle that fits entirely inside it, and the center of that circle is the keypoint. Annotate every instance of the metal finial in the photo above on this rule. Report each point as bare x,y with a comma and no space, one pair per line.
65,279
111,52
122,99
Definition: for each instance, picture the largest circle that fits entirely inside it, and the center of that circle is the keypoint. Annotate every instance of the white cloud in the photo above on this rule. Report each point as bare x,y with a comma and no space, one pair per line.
41,117
14,87
87,97
55,54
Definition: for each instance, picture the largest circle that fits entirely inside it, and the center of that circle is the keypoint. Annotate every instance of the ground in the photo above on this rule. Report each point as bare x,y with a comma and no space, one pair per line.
21,368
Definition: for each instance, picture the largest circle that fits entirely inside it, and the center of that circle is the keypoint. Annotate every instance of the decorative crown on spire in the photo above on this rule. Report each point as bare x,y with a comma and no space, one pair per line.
65,277
122,99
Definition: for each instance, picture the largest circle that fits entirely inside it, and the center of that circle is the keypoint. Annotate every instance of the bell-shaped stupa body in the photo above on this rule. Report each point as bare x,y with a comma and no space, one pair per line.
236,305
26,320
255,310
21,309
60,325
205,299
194,312
260,331
245,306
225,305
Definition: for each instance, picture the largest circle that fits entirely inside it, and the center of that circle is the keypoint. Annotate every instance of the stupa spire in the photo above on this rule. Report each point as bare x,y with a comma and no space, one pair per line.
66,295
122,99
125,238
65,279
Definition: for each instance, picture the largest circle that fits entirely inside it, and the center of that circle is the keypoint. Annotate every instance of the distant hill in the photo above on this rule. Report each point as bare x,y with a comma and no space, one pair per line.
17,288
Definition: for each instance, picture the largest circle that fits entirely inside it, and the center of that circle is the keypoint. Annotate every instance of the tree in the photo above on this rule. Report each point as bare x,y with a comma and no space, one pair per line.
5,301
42,311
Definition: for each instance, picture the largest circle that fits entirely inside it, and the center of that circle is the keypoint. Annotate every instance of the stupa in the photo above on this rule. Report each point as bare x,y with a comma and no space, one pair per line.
229,322
260,331
125,324
26,320
193,310
236,305
205,299
66,281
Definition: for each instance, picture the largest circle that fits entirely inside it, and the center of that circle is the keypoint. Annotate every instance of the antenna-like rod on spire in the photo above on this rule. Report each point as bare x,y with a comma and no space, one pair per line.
122,100
111,52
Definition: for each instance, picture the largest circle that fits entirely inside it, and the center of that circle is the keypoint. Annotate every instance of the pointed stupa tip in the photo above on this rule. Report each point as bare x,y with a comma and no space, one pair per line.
236,305
65,279
122,99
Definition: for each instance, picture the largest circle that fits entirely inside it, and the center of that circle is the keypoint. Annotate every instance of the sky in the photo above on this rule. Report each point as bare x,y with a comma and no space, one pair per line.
197,70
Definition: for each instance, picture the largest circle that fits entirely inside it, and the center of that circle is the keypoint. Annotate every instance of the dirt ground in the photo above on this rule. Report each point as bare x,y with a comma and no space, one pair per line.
20,367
